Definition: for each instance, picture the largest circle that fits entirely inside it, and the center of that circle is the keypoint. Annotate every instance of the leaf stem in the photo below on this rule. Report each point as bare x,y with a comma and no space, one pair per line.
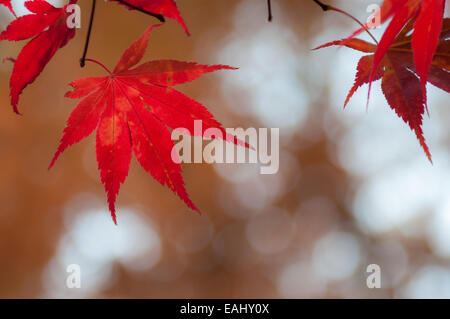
99,63
88,37
269,8
160,17
326,7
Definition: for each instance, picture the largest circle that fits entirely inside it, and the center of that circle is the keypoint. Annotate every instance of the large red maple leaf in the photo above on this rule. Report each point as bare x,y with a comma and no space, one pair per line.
400,82
133,110
7,3
166,8
428,16
47,27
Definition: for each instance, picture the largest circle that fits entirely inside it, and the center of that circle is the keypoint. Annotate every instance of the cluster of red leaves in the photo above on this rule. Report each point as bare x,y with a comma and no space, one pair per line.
133,109
413,50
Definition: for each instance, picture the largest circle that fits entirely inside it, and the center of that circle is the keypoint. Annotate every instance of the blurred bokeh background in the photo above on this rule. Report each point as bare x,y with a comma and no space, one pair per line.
354,187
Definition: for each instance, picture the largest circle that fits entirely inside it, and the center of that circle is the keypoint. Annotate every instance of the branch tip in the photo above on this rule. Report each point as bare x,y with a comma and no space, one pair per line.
269,8
324,7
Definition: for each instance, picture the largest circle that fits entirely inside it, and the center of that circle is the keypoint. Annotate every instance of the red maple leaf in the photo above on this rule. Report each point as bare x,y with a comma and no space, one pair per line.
400,82
133,110
166,8
47,27
7,3
427,16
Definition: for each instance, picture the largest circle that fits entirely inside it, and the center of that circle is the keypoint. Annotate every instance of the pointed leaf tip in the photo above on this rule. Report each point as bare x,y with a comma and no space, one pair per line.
135,51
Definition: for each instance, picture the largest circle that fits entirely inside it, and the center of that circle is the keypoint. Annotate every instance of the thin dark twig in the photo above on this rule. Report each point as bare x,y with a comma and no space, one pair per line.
326,7
323,6
86,45
157,16
269,7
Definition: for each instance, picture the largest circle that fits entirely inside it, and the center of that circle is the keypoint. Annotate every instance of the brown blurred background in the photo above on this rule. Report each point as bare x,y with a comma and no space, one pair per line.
353,189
